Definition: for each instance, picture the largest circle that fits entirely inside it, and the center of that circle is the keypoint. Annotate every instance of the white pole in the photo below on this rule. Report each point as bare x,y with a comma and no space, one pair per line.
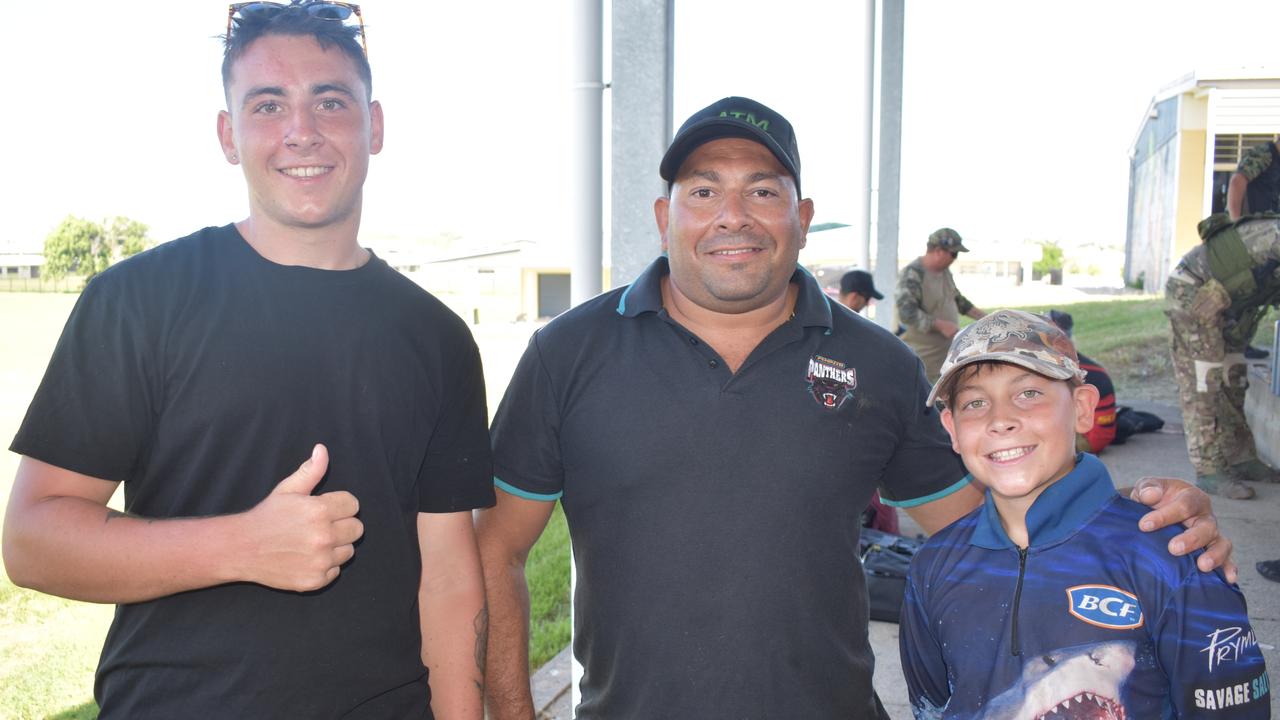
892,18
588,97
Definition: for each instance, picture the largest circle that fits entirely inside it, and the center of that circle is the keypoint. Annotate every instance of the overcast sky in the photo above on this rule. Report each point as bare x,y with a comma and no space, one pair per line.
1017,115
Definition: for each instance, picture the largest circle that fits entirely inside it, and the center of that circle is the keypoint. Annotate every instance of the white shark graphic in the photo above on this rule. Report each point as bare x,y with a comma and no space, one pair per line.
1076,683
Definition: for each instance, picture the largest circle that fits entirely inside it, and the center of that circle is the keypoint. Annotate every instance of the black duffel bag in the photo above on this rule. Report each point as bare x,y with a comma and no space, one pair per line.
1130,422
885,558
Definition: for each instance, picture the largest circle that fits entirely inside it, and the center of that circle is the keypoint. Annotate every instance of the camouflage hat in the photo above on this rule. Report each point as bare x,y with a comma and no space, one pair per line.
947,238
1011,336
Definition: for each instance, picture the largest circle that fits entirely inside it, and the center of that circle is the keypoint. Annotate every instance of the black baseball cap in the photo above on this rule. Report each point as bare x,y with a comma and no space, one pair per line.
1063,320
859,281
734,117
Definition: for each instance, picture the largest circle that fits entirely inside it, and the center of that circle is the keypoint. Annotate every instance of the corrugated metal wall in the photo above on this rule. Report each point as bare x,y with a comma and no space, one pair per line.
1153,188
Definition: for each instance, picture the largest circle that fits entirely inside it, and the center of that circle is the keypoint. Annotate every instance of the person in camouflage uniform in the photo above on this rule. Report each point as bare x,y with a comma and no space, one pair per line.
928,304
1211,327
1255,185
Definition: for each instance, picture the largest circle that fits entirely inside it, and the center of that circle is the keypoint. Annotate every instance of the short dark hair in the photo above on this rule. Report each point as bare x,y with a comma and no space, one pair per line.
293,20
965,373
978,368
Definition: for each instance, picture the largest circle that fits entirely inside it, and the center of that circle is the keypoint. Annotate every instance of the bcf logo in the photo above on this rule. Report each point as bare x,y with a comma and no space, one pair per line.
1105,606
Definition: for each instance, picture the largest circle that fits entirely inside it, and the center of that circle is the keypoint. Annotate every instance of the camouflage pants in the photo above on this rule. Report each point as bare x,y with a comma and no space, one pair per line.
1211,375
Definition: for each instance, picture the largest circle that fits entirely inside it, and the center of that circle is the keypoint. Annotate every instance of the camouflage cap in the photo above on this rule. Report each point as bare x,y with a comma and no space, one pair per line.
947,238
1011,336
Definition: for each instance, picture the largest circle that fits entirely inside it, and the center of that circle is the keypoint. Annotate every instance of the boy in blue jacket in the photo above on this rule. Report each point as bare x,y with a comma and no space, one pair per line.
1046,601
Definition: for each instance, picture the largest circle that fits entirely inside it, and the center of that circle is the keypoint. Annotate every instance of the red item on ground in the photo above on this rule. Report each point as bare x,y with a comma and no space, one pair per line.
879,516
1104,416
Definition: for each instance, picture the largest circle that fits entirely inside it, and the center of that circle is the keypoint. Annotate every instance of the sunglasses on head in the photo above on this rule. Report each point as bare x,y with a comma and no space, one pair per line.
337,11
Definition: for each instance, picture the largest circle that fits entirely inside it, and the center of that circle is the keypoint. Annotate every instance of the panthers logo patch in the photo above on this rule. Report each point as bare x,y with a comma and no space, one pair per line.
830,382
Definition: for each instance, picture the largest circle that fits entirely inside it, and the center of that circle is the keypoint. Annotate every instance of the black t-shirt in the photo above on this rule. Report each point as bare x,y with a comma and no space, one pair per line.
200,375
715,515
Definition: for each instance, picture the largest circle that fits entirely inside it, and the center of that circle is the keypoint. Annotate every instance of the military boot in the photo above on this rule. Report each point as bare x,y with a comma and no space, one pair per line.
1224,485
1254,470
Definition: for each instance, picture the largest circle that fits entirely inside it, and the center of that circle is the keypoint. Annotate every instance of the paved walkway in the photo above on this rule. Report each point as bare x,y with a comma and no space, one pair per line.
551,696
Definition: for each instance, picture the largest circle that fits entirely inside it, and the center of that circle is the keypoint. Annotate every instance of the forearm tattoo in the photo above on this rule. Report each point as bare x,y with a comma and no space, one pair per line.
481,625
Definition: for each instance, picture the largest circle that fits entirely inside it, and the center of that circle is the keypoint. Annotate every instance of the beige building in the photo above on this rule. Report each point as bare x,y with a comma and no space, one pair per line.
1188,144
23,266
508,282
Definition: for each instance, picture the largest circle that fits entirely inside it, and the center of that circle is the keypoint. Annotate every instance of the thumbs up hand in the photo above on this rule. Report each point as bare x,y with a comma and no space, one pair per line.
299,541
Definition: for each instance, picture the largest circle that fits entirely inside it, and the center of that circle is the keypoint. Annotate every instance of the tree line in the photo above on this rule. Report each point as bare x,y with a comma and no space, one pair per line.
85,247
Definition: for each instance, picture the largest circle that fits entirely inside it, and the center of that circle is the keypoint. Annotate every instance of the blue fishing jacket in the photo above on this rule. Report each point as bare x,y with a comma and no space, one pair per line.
1095,619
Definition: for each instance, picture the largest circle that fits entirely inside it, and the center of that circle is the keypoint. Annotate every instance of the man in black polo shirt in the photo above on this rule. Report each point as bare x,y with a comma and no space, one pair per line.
714,431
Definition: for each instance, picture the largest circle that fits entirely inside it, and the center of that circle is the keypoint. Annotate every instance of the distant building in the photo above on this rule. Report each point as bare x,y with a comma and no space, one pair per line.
831,249
507,282
26,266
1188,144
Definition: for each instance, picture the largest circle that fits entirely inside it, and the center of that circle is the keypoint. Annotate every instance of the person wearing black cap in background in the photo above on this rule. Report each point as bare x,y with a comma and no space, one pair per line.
1103,432
714,431
857,290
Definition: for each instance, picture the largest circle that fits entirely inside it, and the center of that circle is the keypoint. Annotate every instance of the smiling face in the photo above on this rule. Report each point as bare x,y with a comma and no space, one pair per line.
733,226
300,126
1016,430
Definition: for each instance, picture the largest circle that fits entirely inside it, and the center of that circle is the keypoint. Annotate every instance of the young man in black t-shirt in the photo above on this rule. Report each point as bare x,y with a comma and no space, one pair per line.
199,373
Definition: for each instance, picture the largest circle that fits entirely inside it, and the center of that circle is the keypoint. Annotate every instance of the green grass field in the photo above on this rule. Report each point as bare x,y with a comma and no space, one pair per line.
1129,336
548,574
48,646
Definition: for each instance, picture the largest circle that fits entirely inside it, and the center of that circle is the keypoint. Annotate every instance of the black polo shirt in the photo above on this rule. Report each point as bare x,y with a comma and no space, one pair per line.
714,515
